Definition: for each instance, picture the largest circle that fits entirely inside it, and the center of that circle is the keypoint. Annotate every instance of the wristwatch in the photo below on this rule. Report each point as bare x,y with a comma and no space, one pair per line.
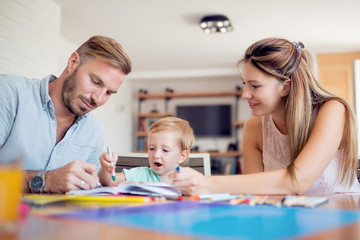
37,183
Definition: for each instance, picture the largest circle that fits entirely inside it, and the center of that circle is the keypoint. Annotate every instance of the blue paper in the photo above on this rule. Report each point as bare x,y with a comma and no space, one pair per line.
220,221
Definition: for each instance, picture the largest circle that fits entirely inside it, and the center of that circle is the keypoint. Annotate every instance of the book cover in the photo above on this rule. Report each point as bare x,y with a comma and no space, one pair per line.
143,127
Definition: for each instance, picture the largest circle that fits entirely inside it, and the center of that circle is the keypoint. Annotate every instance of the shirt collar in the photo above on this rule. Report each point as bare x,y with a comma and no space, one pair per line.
44,89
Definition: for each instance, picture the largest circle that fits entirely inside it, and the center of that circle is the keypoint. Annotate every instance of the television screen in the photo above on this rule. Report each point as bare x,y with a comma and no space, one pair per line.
207,120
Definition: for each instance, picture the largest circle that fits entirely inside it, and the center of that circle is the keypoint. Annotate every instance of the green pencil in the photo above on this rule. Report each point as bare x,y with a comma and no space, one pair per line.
112,163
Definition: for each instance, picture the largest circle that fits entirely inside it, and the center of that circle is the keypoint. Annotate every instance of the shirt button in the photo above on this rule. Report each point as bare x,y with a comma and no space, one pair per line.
52,121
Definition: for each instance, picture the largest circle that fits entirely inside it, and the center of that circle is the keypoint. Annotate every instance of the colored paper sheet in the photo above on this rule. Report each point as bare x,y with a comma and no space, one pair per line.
43,199
39,199
220,221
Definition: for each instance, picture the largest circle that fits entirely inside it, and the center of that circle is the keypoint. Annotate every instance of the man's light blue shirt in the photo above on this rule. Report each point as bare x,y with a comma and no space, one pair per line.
28,127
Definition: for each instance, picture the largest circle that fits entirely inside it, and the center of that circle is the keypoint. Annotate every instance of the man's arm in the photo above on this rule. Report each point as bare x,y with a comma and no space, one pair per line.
8,108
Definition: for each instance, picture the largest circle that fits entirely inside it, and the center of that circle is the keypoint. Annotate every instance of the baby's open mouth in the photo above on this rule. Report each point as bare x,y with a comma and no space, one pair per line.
157,164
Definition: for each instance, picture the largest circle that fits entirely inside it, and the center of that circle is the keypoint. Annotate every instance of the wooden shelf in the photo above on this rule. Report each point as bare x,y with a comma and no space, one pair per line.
187,95
163,114
153,114
141,134
142,129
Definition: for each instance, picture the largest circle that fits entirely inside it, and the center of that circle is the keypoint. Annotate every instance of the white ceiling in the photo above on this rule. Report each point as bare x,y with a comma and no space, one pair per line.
163,37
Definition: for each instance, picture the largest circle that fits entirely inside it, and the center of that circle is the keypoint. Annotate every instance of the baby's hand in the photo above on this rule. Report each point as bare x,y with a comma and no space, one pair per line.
107,162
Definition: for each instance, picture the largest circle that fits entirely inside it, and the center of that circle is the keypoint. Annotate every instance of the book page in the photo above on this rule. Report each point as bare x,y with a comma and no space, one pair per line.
139,188
99,190
148,188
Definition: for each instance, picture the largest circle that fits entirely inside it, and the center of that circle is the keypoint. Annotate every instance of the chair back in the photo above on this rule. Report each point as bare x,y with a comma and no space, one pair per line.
198,161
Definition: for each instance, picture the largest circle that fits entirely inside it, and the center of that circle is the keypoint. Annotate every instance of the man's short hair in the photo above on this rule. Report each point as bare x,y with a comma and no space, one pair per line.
106,49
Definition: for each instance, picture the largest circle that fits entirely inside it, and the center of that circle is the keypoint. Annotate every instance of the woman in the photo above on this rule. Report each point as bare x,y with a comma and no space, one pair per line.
301,138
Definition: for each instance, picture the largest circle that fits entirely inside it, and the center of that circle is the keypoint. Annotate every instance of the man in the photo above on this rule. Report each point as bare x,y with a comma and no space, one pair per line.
48,122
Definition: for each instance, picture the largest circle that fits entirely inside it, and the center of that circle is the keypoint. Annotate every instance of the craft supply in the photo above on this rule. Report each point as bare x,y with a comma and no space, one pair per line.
237,201
210,196
303,201
113,174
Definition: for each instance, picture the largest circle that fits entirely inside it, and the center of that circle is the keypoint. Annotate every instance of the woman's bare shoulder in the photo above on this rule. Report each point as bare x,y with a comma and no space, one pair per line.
253,123
332,108
253,130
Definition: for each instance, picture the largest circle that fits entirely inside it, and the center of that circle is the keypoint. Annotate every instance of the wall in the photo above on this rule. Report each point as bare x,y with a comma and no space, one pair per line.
116,116
31,45
29,35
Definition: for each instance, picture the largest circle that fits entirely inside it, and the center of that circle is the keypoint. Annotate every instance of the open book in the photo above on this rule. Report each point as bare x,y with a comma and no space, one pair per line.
138,188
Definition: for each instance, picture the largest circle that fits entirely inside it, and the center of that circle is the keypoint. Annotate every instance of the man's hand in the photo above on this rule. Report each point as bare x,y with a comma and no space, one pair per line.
75,175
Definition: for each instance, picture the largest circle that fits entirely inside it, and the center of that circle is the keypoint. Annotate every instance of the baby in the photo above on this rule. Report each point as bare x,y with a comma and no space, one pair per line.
169,142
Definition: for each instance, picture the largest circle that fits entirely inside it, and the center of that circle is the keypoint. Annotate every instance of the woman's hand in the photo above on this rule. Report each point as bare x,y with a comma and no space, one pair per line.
191,182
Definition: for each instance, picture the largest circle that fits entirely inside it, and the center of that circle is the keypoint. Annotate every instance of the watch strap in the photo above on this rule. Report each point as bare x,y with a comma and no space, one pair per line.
41,173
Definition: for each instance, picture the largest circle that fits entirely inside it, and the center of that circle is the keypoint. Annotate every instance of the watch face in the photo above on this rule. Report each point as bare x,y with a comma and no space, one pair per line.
36,183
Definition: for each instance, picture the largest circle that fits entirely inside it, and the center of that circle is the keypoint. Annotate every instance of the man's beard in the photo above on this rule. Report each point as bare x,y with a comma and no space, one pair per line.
69,96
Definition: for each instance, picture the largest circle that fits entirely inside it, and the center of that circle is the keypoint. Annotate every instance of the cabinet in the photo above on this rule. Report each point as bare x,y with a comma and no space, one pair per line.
143,123
336,74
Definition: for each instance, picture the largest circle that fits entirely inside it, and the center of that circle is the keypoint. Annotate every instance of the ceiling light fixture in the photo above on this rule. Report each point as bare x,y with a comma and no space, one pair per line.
216,23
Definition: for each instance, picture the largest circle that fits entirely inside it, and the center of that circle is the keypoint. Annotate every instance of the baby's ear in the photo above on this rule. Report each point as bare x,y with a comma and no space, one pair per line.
183,157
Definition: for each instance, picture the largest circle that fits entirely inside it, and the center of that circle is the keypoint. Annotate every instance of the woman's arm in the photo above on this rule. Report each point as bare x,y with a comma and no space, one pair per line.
320,149
323,143
252,146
